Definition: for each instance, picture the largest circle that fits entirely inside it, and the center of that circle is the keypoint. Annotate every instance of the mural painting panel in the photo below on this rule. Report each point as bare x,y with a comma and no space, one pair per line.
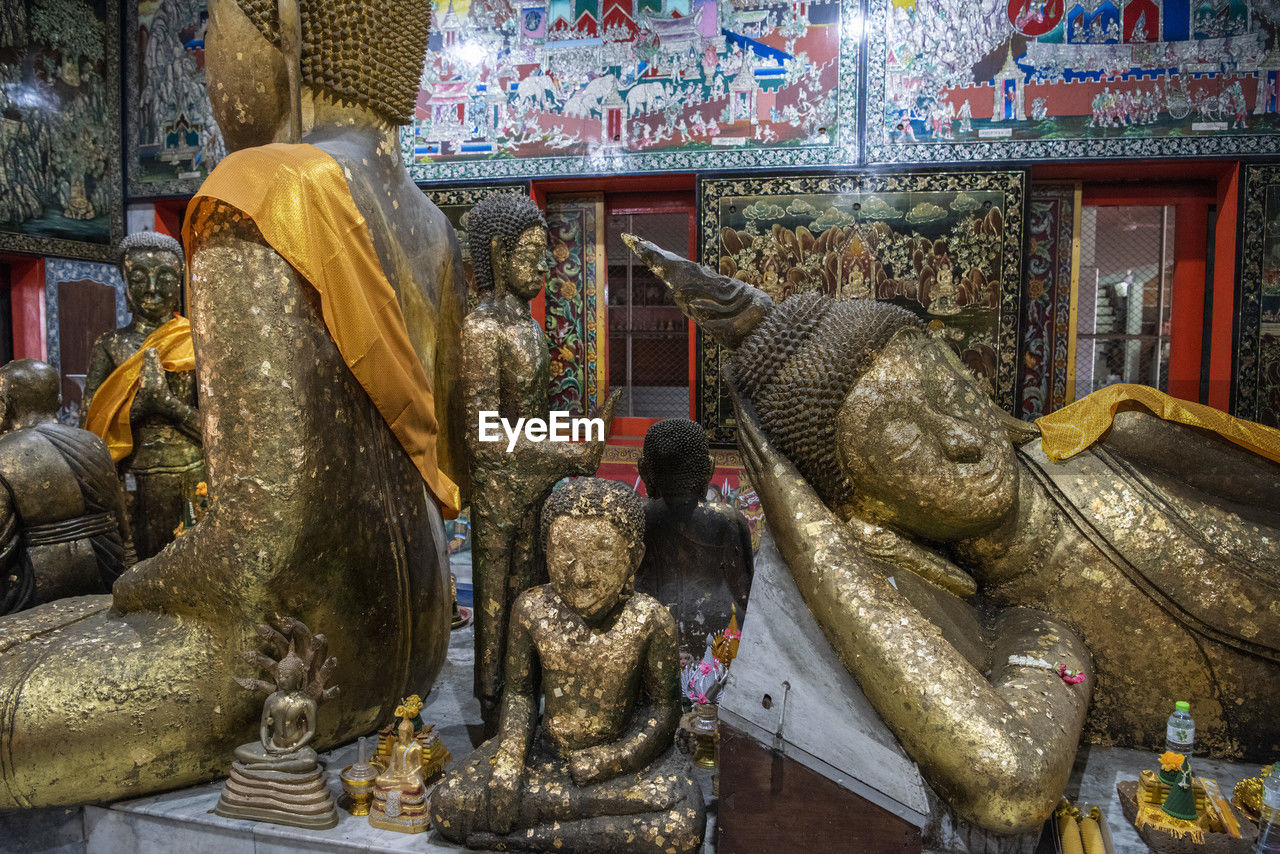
955,80
60,127
551,87
174,141
1053,213
946,245
576,309
1256,387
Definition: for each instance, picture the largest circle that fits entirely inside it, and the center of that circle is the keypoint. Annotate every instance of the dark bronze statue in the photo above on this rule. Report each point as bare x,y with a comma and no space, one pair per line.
896,490
697,555
597,770
165,462
63,529
318,508
506,370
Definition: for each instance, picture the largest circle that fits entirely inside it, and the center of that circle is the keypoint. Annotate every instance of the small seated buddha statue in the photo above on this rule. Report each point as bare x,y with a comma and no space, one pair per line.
278,778
597,770
697,553
399,796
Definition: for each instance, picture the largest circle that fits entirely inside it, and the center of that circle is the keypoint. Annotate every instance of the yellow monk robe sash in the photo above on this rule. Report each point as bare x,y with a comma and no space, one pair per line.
1074,428
108,415
298,198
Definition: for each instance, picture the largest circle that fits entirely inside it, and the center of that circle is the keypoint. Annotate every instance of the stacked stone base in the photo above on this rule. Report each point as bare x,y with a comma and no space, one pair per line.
300,799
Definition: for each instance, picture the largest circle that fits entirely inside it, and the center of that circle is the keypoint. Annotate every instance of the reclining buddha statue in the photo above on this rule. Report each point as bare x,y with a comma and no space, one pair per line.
326,300
995,604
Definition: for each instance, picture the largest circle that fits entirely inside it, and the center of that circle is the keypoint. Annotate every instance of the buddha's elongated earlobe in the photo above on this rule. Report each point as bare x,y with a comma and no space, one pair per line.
291,47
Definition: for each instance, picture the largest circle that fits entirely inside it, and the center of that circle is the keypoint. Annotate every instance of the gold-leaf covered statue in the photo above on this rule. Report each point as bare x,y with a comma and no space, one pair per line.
63,527
140,391
896,490
597,769
506,372
325,301
278,778
399,796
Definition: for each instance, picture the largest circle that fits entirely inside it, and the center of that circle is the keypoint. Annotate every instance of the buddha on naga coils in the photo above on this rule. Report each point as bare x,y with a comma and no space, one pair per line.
896,491
326,299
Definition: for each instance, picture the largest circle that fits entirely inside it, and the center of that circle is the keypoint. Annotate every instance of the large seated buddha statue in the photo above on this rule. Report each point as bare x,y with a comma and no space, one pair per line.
967,580
325,302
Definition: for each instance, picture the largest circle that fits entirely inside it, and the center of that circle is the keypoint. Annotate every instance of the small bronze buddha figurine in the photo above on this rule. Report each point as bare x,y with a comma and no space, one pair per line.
597,770
63,528
967,580
506,370
278,778
697,555
147,368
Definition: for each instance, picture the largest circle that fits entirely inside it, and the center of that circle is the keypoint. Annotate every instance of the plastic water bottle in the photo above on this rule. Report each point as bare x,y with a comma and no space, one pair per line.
1180,735
1269,821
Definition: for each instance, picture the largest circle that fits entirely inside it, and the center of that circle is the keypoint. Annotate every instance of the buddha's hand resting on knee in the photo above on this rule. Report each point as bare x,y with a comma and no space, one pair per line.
504,794
587,766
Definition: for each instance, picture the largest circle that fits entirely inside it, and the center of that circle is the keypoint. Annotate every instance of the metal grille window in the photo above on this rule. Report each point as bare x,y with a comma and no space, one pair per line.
648,335
1124,299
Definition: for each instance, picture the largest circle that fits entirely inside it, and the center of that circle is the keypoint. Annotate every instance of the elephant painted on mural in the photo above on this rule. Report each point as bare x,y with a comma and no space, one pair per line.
587,101
647,97
539,89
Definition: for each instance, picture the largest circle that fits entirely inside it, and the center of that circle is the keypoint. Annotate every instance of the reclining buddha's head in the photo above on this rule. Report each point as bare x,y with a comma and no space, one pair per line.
872,412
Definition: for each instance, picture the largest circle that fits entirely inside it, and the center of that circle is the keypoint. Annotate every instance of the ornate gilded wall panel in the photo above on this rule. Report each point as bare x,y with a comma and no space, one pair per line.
173,141
576,305
1256,386
957,80
1052,261
549,87
946,245
60,128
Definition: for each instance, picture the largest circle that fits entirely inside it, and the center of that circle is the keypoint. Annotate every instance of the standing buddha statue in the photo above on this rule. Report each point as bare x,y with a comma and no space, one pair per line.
141,391
506,370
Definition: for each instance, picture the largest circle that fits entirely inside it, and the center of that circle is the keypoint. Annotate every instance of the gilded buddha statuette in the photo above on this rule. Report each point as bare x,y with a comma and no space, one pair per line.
63,528
147,413
597,769
506,370
325,301
896,491
399,795
278,778
697,555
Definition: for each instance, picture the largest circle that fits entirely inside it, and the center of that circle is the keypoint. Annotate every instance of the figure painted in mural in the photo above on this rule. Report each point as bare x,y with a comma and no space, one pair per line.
326,305
506,370
896,490
697,557
278,778
146,370
597,770
63,529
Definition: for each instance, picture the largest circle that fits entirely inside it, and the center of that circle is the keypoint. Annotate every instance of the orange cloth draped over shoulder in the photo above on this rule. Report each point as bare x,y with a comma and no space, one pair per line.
298,198
1074,428
108,415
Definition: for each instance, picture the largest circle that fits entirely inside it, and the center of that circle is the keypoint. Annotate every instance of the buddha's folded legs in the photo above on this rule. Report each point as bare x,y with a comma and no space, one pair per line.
157,709
658,809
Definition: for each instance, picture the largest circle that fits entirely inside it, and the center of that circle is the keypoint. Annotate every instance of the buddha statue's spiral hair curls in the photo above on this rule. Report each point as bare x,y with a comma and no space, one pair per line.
676,461
365,51
502,215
